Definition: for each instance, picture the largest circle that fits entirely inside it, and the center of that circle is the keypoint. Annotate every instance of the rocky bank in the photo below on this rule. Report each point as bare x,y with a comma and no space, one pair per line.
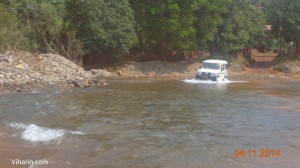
27,72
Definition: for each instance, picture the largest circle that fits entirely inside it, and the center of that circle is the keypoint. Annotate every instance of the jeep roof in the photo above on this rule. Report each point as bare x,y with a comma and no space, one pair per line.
216,61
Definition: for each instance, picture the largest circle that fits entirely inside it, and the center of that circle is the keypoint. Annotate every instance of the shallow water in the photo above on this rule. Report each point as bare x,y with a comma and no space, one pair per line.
155,124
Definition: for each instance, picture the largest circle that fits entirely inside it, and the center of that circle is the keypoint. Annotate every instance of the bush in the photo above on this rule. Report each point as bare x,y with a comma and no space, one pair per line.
12,35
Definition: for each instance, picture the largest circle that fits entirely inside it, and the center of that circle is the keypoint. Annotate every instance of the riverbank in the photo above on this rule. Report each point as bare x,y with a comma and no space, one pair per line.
29,72
186,69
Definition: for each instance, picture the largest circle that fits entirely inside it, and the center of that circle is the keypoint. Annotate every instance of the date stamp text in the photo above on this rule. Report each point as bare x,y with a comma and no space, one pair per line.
262,153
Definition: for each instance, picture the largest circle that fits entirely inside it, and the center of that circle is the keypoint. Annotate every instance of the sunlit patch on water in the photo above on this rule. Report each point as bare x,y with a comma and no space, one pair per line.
34,133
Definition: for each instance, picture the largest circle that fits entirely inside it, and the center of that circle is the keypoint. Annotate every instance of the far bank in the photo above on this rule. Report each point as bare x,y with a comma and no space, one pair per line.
32,72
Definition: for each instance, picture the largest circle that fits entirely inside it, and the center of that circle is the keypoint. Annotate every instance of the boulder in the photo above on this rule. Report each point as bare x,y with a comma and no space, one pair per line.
285,68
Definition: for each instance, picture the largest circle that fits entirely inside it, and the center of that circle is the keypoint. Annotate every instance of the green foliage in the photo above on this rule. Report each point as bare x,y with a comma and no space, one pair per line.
49,30
165,26
244,26
210,15
45,20
12,34
284,16
104,27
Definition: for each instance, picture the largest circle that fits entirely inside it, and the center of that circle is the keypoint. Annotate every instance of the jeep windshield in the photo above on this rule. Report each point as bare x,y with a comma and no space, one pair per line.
207,65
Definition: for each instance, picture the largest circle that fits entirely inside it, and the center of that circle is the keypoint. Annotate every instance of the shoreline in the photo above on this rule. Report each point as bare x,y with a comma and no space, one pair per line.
67,85
242,76
29,72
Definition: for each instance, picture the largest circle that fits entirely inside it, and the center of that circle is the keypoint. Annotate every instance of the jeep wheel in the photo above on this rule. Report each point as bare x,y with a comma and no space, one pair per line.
213,79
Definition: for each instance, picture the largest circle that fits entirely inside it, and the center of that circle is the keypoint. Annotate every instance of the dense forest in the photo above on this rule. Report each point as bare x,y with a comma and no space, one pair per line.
78,29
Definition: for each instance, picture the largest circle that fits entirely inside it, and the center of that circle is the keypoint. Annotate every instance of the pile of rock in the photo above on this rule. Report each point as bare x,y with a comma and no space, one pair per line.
23,71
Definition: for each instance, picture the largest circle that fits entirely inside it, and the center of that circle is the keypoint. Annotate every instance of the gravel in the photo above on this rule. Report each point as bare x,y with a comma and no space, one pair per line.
25,72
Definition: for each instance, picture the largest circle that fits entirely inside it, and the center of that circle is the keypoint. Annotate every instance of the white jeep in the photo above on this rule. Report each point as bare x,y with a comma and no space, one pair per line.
212,69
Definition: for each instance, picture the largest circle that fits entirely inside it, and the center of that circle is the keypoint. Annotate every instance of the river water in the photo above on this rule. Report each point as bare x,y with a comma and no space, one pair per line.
160,124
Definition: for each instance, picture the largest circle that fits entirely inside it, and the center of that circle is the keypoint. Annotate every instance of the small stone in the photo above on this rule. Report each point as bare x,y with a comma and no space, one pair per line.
4,58
20,66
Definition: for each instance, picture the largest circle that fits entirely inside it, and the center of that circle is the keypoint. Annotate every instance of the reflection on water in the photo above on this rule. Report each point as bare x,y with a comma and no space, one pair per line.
154,124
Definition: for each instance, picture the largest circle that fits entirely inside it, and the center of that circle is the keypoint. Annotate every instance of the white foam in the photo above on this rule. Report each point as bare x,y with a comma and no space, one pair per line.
76,132
34,133
206,81
17,125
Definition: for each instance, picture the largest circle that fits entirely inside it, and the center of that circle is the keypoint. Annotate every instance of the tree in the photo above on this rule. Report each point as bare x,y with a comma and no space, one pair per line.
48,28
12,35
104,27
165,26
284,16
243,27
210,15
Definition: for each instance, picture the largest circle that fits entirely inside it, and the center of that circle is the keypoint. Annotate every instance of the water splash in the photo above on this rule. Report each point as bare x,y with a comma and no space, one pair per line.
76,132
194,81
34,133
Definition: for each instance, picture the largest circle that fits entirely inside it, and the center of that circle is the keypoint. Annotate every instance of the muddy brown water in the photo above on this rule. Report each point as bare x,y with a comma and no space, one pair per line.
160,124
